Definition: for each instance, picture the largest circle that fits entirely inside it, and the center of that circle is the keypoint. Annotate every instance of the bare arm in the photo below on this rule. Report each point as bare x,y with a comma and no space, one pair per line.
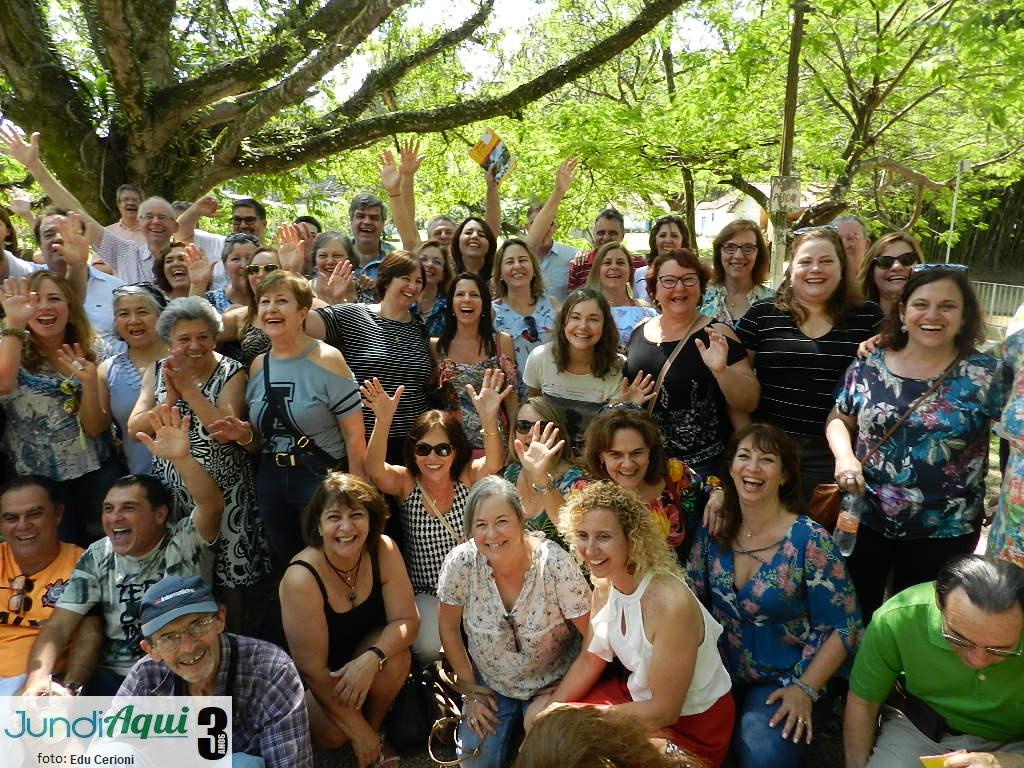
839,431
387,477
139,420
207,205
400,192
738,383
84,651
546,216
492,209
860,725
488,402
46,650
399,605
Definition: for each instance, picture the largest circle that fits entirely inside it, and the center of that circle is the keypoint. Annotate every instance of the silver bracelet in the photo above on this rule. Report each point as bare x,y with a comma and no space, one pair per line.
544,488
812,694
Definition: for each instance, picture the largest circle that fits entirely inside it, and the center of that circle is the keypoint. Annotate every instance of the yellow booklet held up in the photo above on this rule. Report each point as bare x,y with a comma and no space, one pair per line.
492,151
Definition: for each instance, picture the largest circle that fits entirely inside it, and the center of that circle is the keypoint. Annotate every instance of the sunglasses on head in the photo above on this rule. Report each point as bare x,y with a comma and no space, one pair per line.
441,449
130,289
255,269
523,426
907,259
939,267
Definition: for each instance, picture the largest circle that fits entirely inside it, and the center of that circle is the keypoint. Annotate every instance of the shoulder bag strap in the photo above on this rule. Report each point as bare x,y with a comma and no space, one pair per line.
429,504
906,414
278,412
671,359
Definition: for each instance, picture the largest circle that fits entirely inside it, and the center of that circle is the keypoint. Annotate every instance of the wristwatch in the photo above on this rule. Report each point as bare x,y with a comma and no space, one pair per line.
382,658
75,689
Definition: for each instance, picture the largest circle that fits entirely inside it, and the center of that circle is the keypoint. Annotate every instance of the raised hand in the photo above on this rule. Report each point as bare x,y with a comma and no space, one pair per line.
171,442
715,353
491,395
74,248
565,174
19,303
378,400
207,205
291,248
176,378
230,429
409,157
541,456
200,268
492,183
390,177
72,356
21,203
13,145
638,391
338,285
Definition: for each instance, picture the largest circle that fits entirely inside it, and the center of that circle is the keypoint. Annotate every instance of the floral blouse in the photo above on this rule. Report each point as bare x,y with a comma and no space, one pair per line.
453,380
927,480
527,333
435,320
1006,536
522,651
714,305
777,621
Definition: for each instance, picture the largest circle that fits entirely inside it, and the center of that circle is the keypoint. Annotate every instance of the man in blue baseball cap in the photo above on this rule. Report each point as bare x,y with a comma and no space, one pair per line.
190,654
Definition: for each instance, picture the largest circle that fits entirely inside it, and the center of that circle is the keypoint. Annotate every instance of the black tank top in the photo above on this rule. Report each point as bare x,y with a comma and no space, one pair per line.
347,629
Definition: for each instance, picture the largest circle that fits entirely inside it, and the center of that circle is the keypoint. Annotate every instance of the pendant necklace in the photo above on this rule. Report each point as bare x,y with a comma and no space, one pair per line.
342,574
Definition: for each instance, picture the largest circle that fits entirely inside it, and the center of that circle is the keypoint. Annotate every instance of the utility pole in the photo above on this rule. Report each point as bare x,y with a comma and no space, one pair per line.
780,204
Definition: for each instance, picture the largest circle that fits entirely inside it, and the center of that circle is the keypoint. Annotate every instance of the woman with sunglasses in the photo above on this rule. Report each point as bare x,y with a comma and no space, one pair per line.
669,233
56,426
433,485
739,267
137,308
521,308
709,387
924,486
887,266
467,349
540,465
438,271
612,275
236,255
801,344
518,598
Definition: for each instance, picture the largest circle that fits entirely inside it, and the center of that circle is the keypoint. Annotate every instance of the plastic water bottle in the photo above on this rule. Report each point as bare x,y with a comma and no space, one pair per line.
850,508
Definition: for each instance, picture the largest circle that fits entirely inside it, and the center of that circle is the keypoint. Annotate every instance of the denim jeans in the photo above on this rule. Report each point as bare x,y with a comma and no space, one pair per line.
496,748
757,745
282,494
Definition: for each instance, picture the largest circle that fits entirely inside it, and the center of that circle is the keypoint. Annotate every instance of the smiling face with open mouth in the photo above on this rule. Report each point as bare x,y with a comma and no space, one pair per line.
433,261
516,268
190,646
279,313
668,238
328,255
627,458
934,315
176,272
195,341
682,299
757,474
614,270
128,203
602,543
367,224
135,320
815,272
738,264
467,303
133,526
584,325
890,281
473,244
28,522
159,223
403,291
433,467
344,530
261,259
497,530
51,318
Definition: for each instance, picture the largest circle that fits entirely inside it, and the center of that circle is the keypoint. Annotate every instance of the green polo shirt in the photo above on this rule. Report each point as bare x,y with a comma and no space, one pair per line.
905,638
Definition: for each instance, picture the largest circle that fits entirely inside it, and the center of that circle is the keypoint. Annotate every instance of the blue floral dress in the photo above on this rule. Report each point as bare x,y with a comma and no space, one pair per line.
628,318
776,622
713,304
927,480
527,333
436,319
1006,537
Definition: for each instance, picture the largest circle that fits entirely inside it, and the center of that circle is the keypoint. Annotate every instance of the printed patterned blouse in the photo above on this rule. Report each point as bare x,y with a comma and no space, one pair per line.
927,480
1006,536
777,621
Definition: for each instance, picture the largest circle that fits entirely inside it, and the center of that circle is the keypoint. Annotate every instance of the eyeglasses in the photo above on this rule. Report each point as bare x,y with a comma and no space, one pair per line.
161,217
907,259
255,269
939,267
524,426
671,281
748,249
244,220
441,449
531,333
72,397
242,237
959,642
510,619
133,289
172,640
20,601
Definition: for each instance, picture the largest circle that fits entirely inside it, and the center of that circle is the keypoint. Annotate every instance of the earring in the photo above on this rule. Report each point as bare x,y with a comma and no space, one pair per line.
903,327
631,568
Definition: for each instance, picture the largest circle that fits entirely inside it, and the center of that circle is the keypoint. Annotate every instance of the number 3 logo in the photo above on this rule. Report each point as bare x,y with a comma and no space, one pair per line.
214,745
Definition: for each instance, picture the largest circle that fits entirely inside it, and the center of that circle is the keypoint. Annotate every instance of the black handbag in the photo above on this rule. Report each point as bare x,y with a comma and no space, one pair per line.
412,713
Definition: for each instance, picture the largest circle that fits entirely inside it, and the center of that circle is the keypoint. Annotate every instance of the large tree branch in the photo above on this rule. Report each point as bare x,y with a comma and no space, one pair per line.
293,88
738,182
364,132
114,44
288,43
388,76
829,95
899,115
918,178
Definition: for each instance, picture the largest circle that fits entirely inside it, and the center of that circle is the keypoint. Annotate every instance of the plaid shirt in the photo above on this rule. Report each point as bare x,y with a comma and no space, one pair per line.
268,704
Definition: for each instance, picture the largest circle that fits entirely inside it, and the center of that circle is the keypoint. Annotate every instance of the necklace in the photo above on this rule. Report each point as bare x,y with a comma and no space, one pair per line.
342,574
753,552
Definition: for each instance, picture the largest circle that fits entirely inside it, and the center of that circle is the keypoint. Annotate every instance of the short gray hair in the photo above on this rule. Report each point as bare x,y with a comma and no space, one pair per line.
187,308
483,489
994,586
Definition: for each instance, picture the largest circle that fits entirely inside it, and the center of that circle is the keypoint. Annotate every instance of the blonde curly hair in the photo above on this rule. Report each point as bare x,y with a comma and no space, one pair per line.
648,551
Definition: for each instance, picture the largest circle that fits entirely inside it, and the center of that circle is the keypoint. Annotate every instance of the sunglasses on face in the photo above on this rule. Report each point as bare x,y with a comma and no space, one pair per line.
244,220
255,269
523,426
441,449
907,259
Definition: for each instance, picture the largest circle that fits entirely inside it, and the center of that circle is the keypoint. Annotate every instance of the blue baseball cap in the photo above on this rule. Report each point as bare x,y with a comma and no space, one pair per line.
173,597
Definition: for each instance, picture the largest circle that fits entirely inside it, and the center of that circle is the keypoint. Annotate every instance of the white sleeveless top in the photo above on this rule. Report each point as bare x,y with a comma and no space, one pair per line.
710,679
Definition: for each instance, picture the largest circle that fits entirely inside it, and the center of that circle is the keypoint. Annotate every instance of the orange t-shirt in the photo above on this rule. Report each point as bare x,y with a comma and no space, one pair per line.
18,630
